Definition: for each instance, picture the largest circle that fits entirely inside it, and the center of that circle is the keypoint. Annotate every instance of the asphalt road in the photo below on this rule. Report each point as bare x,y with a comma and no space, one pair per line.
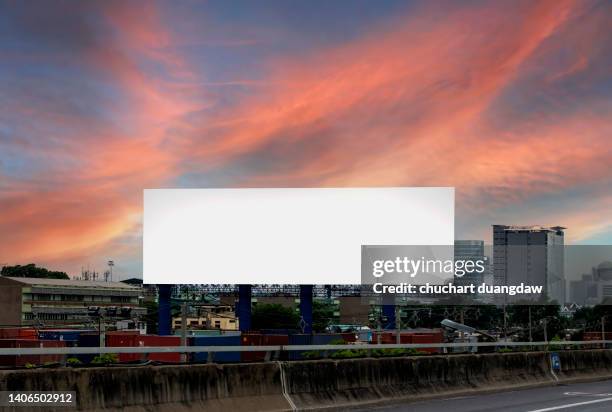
583,397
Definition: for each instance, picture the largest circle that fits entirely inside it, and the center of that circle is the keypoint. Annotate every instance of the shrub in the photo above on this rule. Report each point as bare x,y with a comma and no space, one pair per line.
349,354
73,362
105,358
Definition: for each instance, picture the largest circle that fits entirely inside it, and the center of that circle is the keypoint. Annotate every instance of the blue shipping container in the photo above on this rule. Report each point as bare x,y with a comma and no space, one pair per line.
326,339
298,340
88,340
279,331
71,336
218,357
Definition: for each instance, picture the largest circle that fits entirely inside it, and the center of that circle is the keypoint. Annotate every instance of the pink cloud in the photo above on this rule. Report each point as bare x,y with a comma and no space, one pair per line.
411,103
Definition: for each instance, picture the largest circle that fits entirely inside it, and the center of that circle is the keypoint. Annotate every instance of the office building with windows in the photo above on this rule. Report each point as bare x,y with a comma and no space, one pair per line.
533,255
54,302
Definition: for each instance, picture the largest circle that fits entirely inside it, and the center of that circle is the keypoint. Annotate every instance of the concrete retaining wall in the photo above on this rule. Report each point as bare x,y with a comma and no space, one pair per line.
236,387
366,381
308,384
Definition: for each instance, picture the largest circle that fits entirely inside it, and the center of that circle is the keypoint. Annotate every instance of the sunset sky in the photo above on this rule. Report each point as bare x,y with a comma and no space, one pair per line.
510,102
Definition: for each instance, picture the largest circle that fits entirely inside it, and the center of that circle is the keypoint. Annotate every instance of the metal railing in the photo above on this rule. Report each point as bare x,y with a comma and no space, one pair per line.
286,348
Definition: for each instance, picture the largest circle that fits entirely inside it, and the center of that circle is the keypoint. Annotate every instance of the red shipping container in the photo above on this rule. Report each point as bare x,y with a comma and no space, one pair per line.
9,333
349,337
275,340
51,358
155,340
119,340
123,332
23,360
261,340
385,337
18,333
18,360
253,340
596,336
427,338
28,333
136,340
435,336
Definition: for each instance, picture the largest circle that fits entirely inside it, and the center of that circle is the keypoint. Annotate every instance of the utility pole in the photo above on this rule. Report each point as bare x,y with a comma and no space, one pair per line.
102,329
505,323
530,335
378,326
184,330
603,330
398,325
545,330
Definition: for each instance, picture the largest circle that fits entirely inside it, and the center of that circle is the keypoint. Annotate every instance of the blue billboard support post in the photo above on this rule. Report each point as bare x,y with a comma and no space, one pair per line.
243,308
164,318
388,313
306,308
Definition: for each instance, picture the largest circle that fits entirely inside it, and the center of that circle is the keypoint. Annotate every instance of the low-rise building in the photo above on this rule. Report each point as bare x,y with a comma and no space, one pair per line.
210,317
39,301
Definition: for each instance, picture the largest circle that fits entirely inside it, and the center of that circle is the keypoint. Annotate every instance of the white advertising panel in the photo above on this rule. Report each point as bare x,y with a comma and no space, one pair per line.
284,236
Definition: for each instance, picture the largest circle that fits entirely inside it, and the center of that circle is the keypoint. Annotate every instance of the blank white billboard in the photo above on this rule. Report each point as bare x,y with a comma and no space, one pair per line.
284,236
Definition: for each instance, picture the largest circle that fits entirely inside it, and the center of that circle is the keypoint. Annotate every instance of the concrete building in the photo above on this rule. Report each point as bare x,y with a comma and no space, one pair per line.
470,250
210,317
533,255
36,301
594,288
149,292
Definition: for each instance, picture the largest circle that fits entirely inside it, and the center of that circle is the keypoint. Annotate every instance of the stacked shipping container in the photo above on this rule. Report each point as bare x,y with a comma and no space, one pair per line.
25,360
29,337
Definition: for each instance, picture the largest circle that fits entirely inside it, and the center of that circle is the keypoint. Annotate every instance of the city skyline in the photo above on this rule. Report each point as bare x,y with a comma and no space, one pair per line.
508,102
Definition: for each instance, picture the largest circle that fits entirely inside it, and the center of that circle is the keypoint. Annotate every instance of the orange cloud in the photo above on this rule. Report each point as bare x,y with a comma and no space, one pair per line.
416,102
91,193
447,69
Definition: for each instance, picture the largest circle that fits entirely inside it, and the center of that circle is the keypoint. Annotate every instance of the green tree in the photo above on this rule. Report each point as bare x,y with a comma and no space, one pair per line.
589,318
31,271
322,315
151,317
519,317
424,316
274,316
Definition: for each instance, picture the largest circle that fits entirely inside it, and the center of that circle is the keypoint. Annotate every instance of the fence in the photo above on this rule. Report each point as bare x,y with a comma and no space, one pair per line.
273,351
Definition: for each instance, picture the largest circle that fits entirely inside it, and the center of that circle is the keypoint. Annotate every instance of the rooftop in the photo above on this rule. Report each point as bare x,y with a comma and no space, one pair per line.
70,283
532,228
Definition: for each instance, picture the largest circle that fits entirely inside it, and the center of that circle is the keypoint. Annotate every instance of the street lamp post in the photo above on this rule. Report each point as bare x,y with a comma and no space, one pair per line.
603,330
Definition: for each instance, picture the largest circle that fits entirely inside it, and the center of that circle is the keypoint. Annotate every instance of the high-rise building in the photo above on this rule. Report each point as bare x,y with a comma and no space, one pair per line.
470,250
532,255
594,288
